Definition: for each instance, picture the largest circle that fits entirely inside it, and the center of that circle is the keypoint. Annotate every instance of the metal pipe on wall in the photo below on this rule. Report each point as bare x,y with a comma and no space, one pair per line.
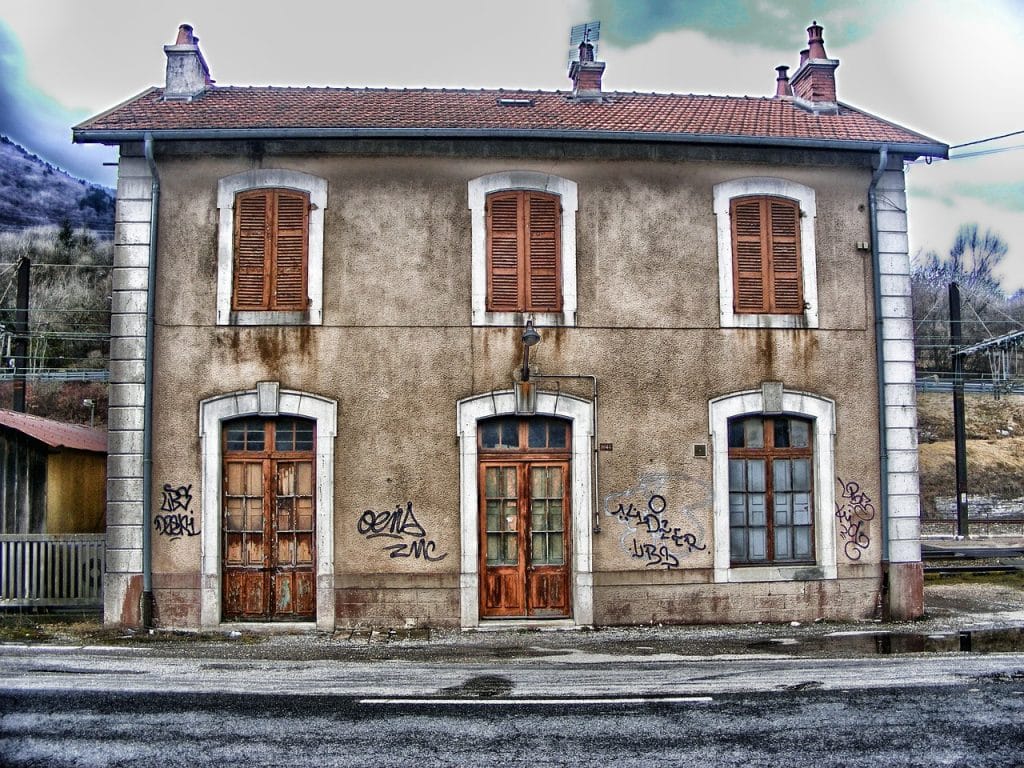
146,609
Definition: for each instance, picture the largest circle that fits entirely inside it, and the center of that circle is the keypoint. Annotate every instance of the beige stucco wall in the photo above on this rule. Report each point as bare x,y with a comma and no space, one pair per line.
396,351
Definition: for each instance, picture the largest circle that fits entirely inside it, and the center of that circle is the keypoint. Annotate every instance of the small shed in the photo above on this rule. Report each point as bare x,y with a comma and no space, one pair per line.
53,477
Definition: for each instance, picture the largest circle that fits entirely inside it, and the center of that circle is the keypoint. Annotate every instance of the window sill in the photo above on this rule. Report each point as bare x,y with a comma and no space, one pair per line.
270,318
518,319
796,322
795,572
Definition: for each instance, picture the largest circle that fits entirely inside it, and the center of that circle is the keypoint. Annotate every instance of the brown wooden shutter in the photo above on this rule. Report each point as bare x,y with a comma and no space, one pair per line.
750,262
523,252
543,258
504,247
787,293
290,248
253,213
766,256
271,247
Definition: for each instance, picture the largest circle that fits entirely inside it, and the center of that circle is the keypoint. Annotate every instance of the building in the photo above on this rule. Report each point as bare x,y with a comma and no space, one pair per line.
458,357
54,476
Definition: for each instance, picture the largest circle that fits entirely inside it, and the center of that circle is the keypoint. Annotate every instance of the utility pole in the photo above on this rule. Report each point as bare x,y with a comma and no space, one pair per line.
959,418
21,335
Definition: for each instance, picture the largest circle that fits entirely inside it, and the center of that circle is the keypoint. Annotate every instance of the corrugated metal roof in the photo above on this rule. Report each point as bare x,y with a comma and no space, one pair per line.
296,112
55,434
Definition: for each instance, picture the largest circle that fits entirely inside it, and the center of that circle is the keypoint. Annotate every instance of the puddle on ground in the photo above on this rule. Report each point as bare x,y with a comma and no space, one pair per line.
887,643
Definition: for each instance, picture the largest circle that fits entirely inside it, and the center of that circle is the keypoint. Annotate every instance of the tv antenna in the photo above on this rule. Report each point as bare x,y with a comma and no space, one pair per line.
583,33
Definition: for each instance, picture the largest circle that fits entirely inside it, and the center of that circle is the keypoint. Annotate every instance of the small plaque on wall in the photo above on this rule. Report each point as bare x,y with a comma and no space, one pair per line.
604,446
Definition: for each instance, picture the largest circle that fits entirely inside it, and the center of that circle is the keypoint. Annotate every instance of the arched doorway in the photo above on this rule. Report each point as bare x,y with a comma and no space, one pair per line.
572,466
525,522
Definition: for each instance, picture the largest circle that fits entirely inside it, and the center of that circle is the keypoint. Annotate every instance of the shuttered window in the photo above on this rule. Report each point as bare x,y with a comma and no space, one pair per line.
271,247
523,252
766,255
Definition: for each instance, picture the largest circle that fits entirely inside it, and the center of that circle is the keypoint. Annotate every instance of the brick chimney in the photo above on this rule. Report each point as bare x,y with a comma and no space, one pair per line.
586,75
814,82
188,75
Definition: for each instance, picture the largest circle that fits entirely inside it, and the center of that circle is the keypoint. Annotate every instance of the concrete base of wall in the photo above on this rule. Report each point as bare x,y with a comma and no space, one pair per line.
906,591
122,600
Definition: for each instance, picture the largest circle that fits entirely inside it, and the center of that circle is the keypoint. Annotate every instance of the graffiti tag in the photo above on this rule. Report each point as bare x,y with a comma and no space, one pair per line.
648,532
178,519
401,524
854,511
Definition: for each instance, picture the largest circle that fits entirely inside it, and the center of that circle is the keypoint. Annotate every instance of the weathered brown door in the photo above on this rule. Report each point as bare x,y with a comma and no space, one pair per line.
524,519
269,529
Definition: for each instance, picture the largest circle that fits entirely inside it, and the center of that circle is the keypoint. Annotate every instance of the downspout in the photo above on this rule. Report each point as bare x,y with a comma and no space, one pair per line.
883,441
147,415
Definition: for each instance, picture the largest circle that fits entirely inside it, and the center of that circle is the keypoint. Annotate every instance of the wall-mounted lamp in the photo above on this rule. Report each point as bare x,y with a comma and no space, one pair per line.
530,337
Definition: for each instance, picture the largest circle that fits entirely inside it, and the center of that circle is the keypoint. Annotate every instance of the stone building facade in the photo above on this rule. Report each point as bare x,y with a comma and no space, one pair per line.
455,358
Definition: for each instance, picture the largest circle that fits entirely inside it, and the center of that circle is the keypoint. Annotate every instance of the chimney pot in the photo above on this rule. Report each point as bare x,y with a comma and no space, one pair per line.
185,36
815,42
782,86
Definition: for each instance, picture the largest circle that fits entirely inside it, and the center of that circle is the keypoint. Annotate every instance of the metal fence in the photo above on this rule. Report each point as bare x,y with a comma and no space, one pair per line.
51,570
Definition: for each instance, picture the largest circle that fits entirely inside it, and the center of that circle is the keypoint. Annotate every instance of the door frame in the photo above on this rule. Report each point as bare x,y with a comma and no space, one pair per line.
267,400
580,413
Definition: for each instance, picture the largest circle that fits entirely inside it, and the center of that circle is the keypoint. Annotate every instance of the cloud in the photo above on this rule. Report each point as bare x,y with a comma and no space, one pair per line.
764,23
39,123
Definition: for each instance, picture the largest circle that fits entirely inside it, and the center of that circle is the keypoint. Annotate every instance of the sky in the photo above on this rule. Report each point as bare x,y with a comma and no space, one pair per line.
950,69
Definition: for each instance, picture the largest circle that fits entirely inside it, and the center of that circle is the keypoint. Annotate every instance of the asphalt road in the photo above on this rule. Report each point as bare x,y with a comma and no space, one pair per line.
121,707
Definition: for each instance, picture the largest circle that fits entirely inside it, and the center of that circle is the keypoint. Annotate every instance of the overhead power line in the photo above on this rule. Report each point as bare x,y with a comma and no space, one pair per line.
990,138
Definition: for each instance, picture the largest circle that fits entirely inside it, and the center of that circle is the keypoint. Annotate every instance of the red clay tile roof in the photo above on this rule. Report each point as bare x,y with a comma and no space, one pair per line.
233,112
55,434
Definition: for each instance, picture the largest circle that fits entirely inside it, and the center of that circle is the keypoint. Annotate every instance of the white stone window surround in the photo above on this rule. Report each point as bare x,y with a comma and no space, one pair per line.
227,189
775,187
821,411
473,410
267,400
479,189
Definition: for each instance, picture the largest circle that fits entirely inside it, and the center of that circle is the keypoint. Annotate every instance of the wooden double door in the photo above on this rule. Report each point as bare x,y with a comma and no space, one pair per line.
268,521
525,522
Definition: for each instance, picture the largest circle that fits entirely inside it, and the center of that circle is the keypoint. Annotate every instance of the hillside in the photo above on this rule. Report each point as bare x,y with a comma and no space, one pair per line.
34,193
995,447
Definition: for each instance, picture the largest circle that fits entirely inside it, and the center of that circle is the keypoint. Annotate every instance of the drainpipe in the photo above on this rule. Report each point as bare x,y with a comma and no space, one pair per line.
147,415
883,441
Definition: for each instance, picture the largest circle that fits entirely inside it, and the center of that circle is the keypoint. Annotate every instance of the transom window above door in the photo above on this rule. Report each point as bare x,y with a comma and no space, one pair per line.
512,433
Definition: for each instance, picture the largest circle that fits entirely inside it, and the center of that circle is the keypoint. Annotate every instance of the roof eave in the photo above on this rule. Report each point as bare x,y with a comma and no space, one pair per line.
82,135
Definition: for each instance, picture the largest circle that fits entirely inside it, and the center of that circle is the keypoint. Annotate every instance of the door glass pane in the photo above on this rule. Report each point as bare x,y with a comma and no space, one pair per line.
557,433
539,552
556,549
781,433
801,474
802,508
538,430
780,474
758,543
738,544
755,476
489,435
753,433
799,433
736,433
782,543
737,475
803,549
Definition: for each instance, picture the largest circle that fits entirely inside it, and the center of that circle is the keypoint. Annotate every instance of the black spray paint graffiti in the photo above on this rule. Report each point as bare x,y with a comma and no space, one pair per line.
177,520
649,534
854,513
399,523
